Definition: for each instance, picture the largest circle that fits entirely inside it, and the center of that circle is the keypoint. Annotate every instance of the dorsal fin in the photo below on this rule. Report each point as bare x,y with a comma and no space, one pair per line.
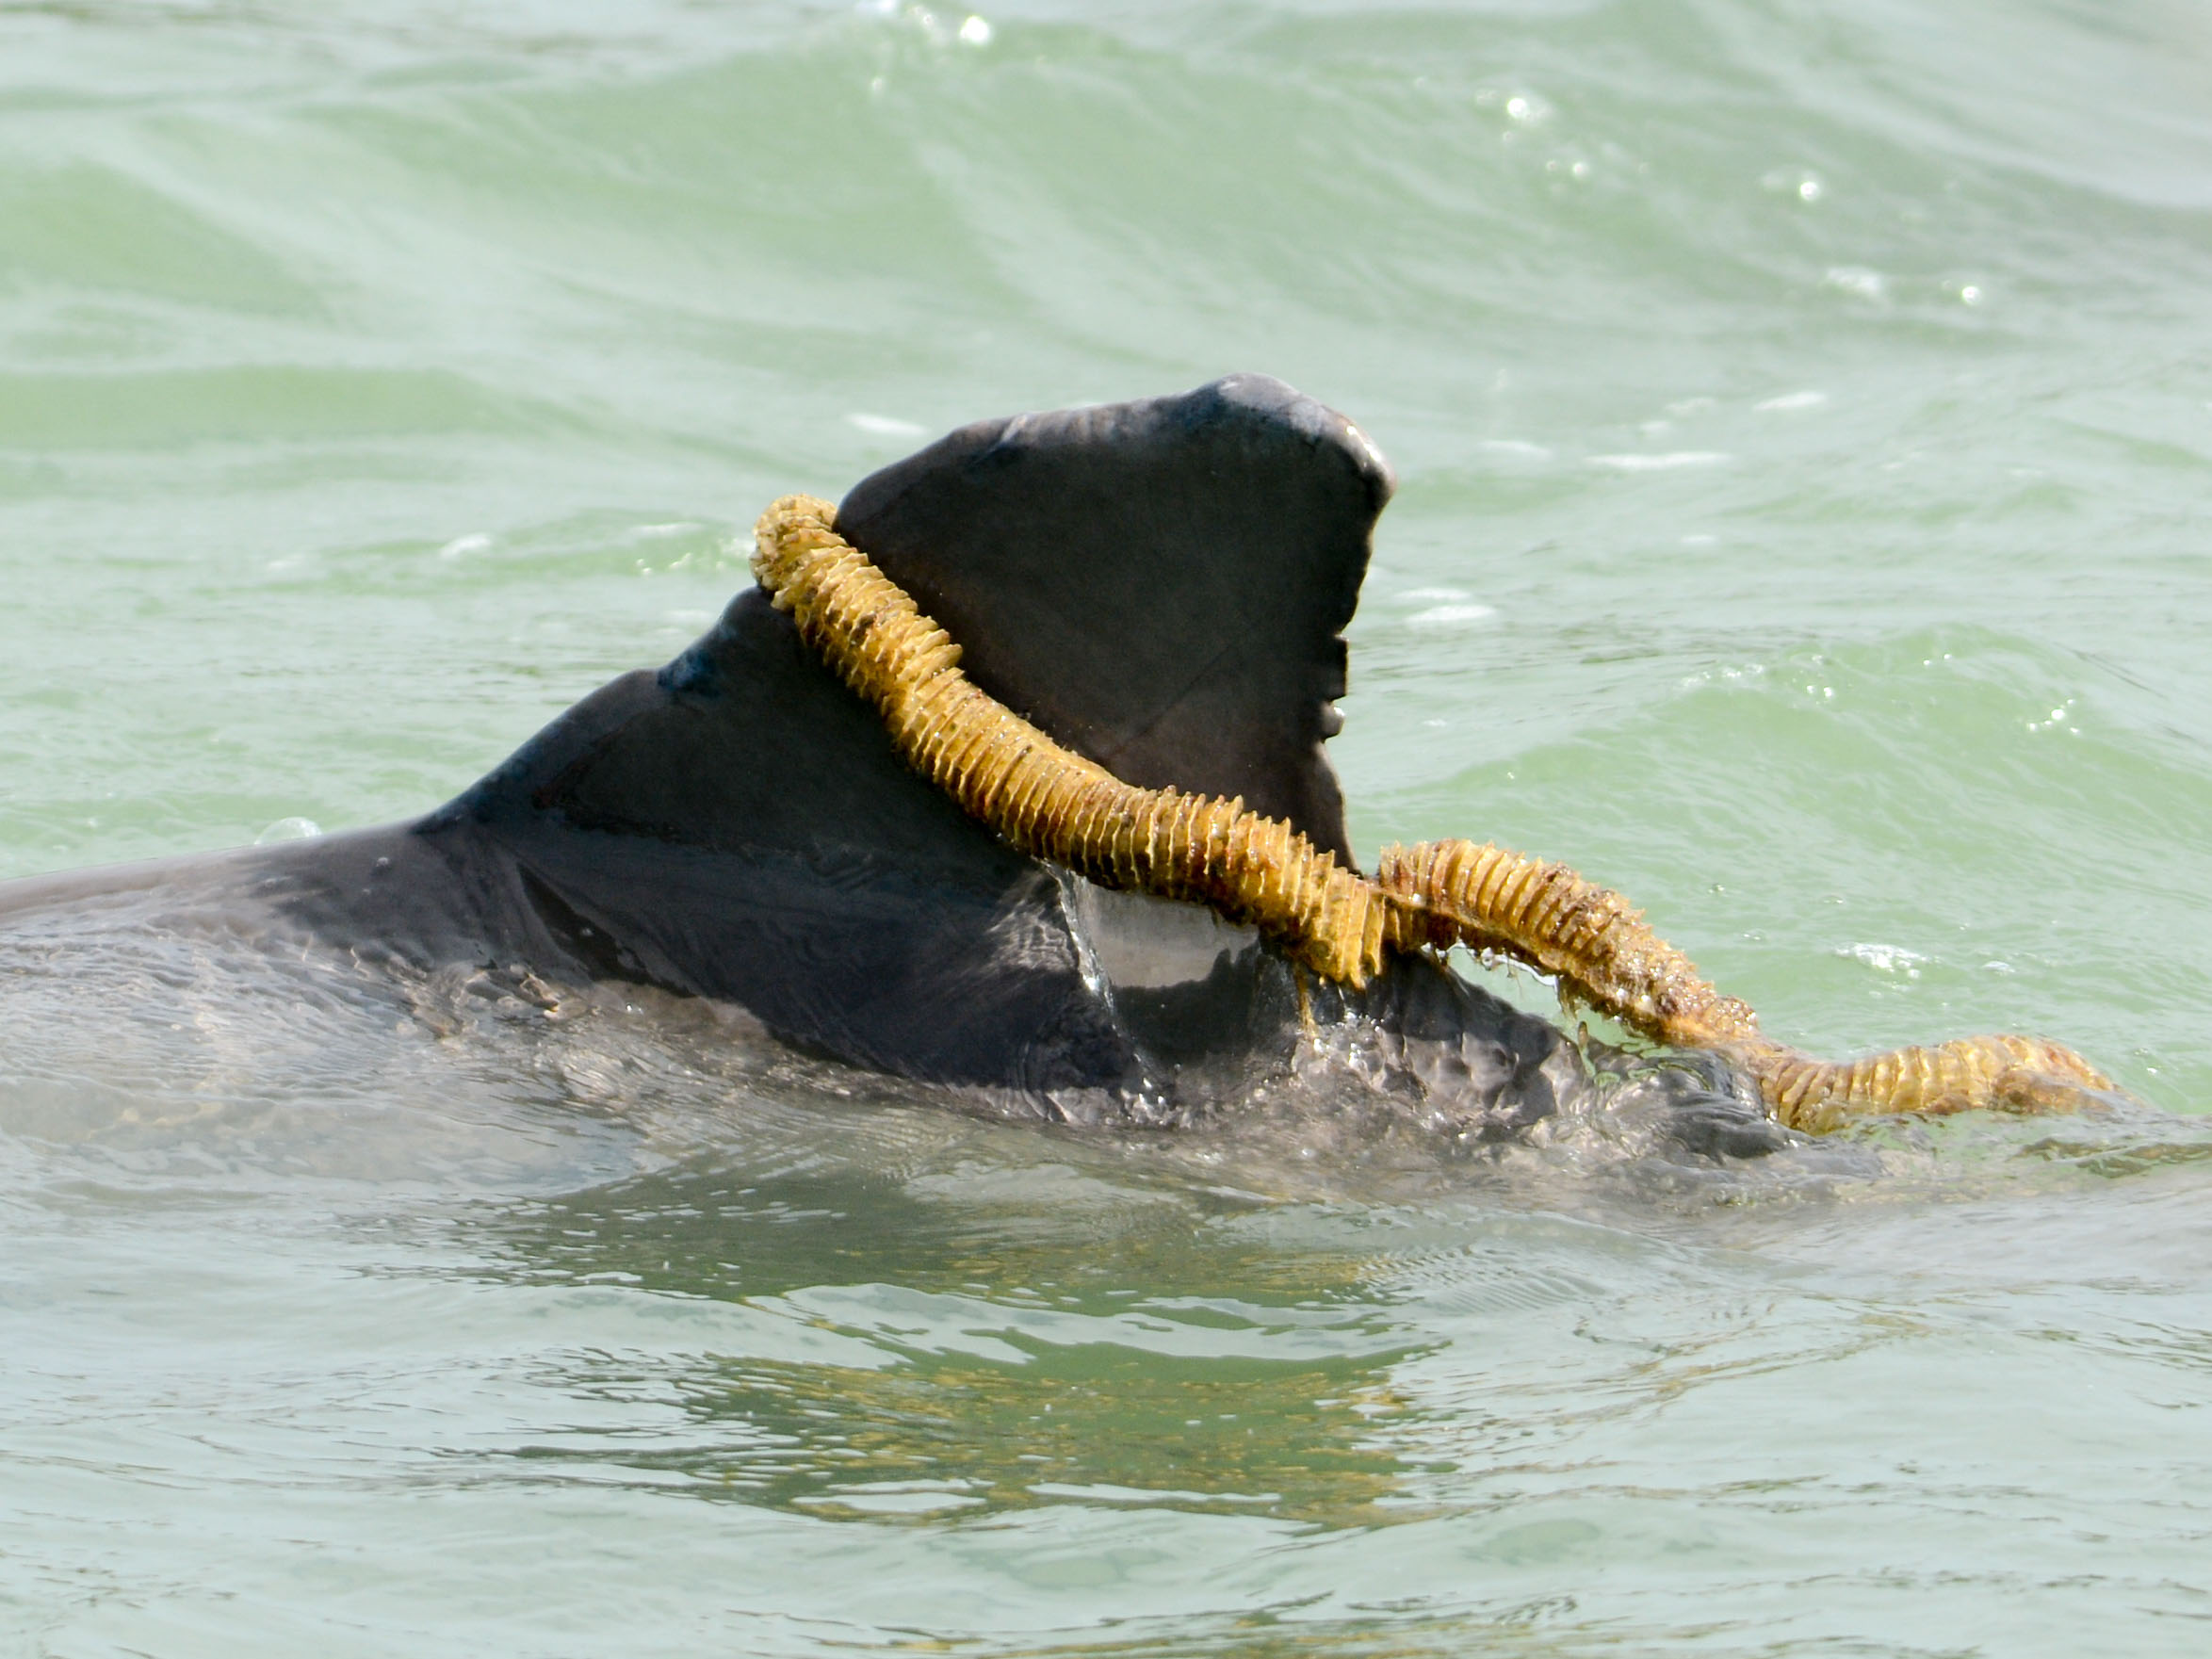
1162,585
1159,584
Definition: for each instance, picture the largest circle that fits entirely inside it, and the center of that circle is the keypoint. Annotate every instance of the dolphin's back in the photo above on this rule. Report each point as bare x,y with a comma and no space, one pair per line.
739,826
1160,585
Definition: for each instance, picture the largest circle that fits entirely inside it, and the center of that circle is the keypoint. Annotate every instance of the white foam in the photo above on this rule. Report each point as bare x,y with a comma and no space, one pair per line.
288,829
1857,281
1886,958
1450,615
1666,463
885,426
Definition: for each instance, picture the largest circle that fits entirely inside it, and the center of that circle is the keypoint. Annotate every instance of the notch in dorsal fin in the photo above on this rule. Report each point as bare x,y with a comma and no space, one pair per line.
1162,585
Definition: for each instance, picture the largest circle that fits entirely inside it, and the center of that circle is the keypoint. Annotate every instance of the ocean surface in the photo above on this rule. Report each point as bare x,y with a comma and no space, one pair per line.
1804,423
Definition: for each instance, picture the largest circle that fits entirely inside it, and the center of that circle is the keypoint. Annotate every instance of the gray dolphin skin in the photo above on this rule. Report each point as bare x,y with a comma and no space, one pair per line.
1160,585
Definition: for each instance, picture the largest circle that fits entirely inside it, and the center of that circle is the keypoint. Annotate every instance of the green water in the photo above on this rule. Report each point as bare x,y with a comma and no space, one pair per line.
1804,419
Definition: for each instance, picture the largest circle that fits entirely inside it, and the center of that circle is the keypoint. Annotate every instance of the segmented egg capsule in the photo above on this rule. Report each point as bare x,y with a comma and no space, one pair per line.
1055,805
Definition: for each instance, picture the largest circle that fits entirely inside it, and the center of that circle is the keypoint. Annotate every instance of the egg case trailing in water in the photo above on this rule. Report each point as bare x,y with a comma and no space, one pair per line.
1250,866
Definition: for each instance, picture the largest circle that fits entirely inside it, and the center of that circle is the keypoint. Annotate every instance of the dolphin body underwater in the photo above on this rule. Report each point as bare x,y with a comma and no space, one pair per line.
1161,587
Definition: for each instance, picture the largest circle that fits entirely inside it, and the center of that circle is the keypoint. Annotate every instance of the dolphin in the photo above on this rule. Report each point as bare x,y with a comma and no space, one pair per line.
1161,585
